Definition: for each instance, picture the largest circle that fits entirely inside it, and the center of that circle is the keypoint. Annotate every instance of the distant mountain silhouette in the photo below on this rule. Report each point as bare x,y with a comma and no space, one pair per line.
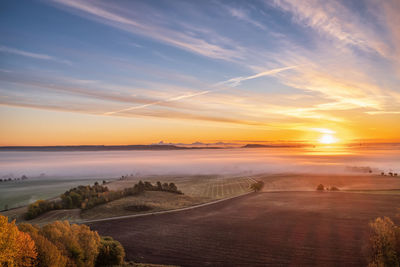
98,148
261,146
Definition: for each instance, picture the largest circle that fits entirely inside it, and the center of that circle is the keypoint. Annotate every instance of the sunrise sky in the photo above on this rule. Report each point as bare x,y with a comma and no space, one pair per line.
137,72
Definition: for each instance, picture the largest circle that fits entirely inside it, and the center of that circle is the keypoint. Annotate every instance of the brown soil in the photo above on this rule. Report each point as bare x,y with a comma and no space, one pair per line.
279,229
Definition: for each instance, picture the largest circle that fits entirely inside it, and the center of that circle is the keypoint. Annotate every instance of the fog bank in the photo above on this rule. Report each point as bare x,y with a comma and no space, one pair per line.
222,161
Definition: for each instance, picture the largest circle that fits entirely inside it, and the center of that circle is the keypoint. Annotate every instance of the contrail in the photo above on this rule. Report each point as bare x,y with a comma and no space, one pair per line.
236,81
172,99
231,83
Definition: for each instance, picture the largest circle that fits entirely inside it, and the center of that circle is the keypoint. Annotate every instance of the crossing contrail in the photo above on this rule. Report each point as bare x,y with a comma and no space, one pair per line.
230,83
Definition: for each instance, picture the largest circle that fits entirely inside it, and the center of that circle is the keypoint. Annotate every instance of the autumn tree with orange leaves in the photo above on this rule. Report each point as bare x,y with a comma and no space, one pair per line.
16,247
57,244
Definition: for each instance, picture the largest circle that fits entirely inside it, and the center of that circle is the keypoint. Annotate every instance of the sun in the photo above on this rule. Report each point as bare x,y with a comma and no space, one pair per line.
327,139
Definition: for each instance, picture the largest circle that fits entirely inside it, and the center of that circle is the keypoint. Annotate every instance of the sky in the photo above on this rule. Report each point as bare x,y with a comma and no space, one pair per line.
138,72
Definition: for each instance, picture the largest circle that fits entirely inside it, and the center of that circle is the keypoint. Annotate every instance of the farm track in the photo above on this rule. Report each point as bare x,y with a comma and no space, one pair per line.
160,212
276,229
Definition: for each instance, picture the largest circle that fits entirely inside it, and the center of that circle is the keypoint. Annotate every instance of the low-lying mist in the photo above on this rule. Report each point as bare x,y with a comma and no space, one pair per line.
106,164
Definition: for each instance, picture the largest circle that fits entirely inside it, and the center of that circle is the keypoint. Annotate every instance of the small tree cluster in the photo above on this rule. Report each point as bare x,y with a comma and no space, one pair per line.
256,187
41,206
58,244
87,197
64,244
111,252
23,177
74,197
167,187
320,187
389,174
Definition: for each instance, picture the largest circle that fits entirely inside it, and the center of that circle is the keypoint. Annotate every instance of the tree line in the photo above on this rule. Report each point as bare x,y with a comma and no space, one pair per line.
9,179
56,244
87,197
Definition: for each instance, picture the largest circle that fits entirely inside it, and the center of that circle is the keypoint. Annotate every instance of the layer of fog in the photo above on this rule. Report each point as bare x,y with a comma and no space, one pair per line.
220,161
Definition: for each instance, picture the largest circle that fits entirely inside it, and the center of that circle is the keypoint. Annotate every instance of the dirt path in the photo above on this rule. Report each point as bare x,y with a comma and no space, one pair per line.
283,228
160,212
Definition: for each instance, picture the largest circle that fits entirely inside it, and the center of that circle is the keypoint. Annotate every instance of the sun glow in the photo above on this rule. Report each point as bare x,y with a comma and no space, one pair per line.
327,139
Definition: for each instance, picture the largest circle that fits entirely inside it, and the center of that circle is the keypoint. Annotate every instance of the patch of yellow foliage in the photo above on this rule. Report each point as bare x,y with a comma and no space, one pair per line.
16,247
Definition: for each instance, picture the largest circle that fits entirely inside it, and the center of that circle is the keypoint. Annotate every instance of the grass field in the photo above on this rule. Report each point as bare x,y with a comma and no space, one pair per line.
20,193
155,200
196,189
204,186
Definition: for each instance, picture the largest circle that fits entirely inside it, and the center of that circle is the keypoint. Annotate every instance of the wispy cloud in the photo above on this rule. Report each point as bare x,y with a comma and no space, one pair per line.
78,87
19,52
244,16
332,19
323,130
68,106
191,39
382,112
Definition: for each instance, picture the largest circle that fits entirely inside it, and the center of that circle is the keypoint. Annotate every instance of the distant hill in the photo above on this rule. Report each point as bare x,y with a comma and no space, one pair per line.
98,148
261,146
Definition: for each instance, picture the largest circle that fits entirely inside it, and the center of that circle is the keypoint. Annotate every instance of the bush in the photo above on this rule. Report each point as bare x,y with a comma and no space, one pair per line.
384,243
37,208
111,252
256,187
333,188
320,187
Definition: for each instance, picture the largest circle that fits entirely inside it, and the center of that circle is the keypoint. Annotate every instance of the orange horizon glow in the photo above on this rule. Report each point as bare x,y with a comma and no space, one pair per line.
44,128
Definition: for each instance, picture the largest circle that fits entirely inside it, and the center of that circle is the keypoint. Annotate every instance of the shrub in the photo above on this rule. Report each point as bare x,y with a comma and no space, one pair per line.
67,202
111,252
172,187
37,208
159,186
384,243
320,187
256,187
333,188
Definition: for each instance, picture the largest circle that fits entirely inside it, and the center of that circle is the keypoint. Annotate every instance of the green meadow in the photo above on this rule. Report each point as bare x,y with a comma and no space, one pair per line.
19,193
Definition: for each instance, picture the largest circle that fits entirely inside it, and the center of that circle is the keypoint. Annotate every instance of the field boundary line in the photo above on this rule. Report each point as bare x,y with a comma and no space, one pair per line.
163,211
